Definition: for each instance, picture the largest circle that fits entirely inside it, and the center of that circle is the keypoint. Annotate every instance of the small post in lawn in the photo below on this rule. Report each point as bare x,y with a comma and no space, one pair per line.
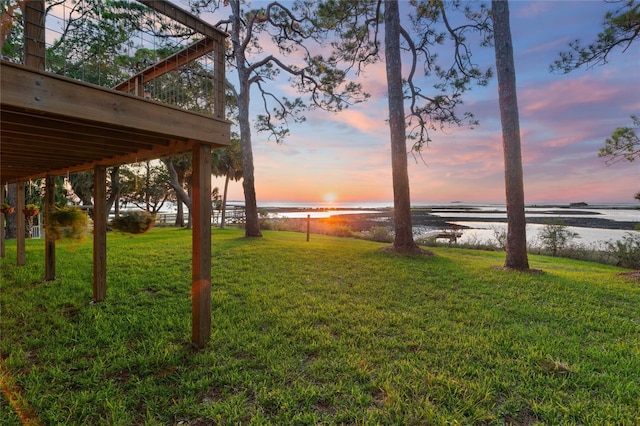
308,225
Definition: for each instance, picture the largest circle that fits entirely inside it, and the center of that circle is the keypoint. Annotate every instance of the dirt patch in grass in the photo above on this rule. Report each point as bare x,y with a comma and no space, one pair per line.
634,275
528,271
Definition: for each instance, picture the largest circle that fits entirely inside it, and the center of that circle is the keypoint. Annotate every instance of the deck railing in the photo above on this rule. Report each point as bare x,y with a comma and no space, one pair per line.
148,48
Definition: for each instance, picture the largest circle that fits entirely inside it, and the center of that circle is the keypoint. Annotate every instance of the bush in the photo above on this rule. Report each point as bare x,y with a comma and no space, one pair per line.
135,222
342,231
378,233
500,235
627,250
555,236
68,222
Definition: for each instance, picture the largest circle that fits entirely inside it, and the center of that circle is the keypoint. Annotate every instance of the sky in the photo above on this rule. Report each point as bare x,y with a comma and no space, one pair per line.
345,158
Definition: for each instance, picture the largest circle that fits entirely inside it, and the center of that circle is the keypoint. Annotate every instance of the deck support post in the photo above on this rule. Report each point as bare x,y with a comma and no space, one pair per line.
50,240
2,220
20,224
34,34
201,246
99,233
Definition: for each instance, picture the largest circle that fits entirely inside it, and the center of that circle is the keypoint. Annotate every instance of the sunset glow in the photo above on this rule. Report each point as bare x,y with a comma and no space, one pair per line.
330,197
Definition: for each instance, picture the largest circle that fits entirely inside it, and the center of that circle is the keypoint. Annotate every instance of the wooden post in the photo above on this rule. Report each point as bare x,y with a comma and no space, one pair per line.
2,231
34,29
201,246
219,82
308,225
99,233
20,222
50,241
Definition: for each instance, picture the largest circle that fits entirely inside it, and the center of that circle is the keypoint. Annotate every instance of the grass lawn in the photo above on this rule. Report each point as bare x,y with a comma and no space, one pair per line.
331,331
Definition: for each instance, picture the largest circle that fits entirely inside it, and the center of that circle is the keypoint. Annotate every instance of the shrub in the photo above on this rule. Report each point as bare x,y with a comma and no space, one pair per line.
343,231
627,250
555,236
134,222
378,233
68,222
500,235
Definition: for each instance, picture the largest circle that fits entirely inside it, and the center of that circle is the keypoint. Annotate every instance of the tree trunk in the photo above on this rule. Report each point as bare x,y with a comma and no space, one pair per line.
189,215
115,189
147,186
223,211
12,198
177,183
514,186
403,241
181,173
252,224
28,226
179,214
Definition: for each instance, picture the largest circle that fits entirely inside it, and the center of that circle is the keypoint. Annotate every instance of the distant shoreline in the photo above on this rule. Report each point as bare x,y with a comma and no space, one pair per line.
424,217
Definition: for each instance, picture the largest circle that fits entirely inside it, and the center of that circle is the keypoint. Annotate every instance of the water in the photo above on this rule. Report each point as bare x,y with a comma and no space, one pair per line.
481,230
485,231
319,214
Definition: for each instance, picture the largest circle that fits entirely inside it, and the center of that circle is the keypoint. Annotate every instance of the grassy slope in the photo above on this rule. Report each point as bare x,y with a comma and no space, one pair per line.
329,331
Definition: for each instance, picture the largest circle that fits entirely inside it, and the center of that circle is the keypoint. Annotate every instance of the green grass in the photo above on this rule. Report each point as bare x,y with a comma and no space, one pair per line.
331,331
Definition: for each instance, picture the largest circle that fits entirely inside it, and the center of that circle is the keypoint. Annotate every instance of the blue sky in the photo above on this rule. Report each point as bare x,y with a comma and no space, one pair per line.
564,120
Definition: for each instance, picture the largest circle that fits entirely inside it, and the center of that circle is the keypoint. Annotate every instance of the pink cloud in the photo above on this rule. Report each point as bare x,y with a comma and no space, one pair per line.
562,95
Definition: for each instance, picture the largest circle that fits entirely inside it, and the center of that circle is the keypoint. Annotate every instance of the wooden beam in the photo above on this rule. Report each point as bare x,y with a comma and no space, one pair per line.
50,241
168,64
34,39
99,233
185,18
201,246
57,141
56,95
20,225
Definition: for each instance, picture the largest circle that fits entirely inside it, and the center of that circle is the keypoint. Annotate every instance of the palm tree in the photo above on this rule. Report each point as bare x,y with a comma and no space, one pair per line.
227,162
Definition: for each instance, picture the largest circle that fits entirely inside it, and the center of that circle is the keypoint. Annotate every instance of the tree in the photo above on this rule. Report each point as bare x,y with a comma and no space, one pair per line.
11,13
555,236
621,28
403,240
94,36
82,185
179,167
291,30
227,162
514,187
623,145
146,186
358,26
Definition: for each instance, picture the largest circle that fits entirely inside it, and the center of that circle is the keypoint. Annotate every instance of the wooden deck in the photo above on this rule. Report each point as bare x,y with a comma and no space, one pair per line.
54,125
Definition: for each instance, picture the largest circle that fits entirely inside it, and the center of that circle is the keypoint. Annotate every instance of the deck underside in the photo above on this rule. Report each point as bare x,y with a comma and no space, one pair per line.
54,125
